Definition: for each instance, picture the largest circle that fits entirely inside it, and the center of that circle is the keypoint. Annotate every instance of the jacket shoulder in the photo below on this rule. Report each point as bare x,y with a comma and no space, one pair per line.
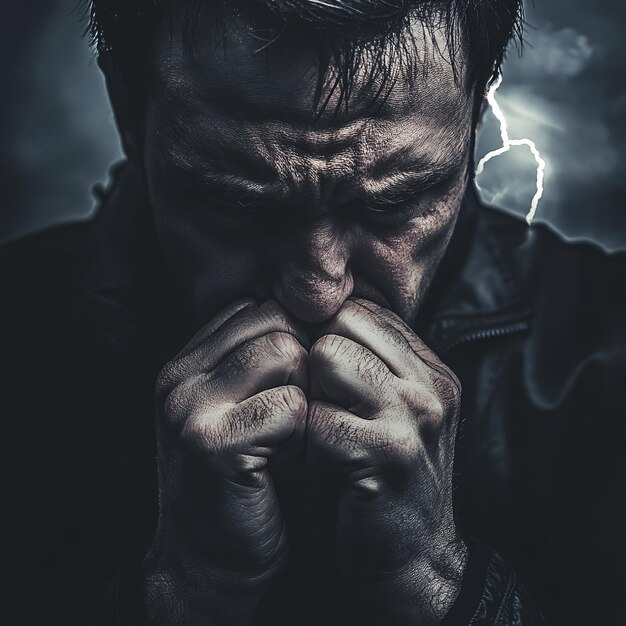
552,267
576,291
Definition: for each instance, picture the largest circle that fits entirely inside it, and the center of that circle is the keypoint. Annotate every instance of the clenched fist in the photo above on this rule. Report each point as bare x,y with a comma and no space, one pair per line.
230,401
383,414
370,403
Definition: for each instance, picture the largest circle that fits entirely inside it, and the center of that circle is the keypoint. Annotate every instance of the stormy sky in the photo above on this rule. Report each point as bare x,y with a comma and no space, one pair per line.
567,93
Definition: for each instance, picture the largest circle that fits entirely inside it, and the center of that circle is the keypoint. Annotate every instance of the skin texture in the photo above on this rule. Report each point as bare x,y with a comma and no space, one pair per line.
226,402
382,413
217,139
306,229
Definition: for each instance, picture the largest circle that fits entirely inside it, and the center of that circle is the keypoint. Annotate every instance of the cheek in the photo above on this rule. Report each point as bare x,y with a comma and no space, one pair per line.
401,264
210,271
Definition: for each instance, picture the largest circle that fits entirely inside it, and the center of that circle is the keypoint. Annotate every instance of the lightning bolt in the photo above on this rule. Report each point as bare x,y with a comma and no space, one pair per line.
508,143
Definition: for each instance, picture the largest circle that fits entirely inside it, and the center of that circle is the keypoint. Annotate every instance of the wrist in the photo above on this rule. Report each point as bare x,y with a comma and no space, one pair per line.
188,594
422,592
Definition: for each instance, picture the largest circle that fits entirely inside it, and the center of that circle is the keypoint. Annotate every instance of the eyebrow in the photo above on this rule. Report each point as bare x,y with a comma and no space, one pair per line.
401,186
227,185
231,183
207,170
395,188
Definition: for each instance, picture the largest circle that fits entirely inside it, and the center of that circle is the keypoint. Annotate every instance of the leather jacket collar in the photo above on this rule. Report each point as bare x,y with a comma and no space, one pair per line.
479,292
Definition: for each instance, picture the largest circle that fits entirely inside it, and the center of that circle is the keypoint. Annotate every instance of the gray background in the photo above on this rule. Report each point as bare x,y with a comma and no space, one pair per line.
567,93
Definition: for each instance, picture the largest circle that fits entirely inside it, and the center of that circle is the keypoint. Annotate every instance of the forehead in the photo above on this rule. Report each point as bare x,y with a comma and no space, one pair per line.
228,94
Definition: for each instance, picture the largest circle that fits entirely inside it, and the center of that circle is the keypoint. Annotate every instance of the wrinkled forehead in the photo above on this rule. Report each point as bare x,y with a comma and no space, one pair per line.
233,66
229,103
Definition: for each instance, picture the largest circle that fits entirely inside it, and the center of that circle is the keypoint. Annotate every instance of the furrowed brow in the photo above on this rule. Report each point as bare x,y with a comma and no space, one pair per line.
229,184
220,170
210,178
402,186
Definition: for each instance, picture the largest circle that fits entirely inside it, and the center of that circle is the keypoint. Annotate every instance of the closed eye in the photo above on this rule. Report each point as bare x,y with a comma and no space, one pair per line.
236,205
391,209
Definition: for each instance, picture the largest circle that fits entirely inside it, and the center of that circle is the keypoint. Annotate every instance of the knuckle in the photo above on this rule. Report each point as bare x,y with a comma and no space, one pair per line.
293,399
433,409
273,314
285,347
448,389
167,377
329,347
436,399
443,379
425,404
200,434
183,402
402,442
314,410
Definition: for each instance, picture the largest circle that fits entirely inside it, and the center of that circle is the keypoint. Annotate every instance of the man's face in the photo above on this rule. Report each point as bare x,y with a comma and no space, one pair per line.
251,199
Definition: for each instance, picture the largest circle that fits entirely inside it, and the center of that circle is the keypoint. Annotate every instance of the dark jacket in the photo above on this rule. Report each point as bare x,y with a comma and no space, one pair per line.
534,326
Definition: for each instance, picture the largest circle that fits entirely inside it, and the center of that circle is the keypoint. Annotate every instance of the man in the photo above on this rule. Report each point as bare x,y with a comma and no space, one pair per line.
365,382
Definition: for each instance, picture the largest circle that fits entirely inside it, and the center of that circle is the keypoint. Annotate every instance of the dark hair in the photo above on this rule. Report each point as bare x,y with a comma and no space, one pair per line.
343,31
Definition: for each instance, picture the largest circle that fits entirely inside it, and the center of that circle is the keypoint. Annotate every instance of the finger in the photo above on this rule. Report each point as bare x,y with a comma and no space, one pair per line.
335,436
253,428
371,330
348,374
179,368
270,361
365,452
447,383
248,323
340,441
269,317
417,345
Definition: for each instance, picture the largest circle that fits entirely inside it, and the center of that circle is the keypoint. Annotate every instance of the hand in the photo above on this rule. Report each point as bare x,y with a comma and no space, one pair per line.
383,413
226,404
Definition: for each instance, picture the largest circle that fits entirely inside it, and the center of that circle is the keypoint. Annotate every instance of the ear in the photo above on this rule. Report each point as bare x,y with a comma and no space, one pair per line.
123,107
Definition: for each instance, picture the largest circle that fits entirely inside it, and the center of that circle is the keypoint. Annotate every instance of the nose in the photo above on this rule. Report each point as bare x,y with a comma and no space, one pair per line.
314,278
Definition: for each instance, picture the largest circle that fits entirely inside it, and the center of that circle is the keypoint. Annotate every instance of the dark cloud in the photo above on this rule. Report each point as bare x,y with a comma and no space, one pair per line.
567,93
